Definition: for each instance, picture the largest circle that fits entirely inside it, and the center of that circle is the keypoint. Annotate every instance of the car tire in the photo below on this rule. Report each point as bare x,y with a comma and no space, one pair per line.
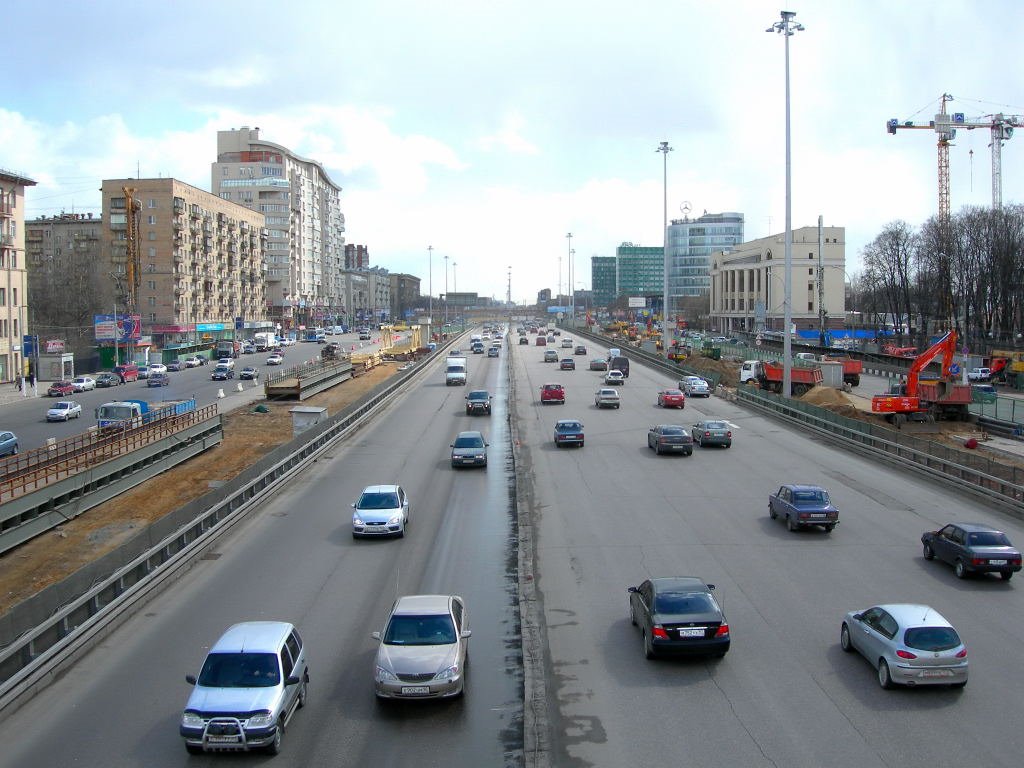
791,526
632,614
929,553
960,569
303,692
1006,575
961,684
772,513
192,749
844,639
657,450
829,528
884,676
648,645
274,747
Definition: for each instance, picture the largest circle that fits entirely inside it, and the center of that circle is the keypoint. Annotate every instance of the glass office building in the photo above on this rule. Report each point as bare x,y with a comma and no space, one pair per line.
690,245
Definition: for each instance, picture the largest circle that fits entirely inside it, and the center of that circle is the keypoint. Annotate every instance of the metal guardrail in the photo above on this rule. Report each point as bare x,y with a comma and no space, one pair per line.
996,482
38,654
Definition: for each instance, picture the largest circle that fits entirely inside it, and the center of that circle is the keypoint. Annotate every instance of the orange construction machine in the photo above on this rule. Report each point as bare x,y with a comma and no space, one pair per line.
944,397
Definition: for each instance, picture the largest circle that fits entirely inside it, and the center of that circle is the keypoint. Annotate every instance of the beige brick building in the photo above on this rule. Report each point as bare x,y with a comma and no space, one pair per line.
201,260
13,275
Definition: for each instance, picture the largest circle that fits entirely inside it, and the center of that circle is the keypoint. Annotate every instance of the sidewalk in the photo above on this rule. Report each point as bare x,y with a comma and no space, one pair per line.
10,394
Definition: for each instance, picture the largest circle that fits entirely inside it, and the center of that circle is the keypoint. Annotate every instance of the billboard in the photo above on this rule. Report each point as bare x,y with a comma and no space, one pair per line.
119,328
637,302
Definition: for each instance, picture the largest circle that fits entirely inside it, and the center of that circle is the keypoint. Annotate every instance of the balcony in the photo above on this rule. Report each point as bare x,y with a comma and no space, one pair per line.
179,205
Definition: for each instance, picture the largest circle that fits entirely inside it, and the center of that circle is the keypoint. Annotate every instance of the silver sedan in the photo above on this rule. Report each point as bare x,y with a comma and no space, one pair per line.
907,644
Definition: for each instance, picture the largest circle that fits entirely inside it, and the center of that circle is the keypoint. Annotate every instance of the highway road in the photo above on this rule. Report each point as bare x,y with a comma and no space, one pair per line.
612,514
607,516
296,561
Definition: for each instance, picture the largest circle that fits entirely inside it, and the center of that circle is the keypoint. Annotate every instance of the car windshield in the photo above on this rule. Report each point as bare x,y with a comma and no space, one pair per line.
471,441
684,602
672,392
568,426
671,430
988,539
240,670
479,395
810,497
931,638
714,425
420,630
378,501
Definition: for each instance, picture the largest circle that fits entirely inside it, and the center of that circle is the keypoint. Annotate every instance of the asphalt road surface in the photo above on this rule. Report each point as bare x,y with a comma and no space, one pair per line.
296,561
612,514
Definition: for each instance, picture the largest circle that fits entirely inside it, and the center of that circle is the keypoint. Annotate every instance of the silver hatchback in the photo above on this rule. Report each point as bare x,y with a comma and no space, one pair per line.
252,682
907,644
423,649
382,510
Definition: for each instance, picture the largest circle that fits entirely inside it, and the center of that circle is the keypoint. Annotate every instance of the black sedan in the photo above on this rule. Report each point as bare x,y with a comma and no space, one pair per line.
669,438
678,615
972,548
249,372
222,374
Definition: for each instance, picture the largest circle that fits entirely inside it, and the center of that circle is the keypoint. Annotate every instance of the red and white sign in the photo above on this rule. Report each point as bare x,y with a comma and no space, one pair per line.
54,346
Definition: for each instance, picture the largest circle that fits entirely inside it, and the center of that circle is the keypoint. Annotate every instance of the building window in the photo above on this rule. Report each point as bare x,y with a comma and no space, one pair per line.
151,301
151,203
152,317
225,170
14,297
151,284
152,253
810,306
151,219
3,297
152,235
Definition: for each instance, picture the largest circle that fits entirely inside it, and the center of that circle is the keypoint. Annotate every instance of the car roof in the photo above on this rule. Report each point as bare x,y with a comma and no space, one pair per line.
561,422
915,615
253,636
422,604
380,489
802,487
974,527
471,433
679,584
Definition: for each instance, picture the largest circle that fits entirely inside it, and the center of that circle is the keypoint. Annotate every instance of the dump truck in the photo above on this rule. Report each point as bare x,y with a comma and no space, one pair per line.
769,376
127,414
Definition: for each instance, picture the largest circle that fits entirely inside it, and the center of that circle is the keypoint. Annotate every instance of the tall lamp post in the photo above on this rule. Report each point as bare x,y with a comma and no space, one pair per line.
430,287
665,337
787,28
572,302
446,289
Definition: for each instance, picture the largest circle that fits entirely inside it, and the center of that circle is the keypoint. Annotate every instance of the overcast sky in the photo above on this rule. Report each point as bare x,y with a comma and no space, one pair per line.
490,130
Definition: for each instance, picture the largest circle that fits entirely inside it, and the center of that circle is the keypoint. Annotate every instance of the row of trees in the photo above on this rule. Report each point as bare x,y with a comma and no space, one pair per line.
968,274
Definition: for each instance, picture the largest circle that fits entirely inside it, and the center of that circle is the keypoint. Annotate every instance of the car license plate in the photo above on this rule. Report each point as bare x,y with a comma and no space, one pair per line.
698,632
818,516
997,562
222,739
412,690
935,673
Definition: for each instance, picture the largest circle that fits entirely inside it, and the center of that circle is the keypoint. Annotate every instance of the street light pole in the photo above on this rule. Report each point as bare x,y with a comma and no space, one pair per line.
446,289
787,28
665,338
430,287
572,300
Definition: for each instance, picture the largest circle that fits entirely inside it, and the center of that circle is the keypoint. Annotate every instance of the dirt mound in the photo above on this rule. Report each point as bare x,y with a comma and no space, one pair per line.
831,399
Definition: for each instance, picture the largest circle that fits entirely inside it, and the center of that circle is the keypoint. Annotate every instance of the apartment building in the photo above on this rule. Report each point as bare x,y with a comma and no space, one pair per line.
305,246
405,296
13,275
201,264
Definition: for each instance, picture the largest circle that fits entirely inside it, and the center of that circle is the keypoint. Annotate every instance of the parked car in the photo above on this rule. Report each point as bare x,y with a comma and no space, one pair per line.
83,383
382,510
711,432
469,450
143,371
478,401
606,397
158,380
669,438
108,379
907,645
580,350
679,615
157,368
614,377
8,443
178,364
423,649
552,393
64,410
249,373
599,364
222,373
567,364
60,389
568,432
550,356
252,682
671,398
972,548
802,506
694,386
275,359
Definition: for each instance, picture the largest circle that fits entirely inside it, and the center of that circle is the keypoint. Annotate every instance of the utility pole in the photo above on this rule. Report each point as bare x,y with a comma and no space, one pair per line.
666,337
572,300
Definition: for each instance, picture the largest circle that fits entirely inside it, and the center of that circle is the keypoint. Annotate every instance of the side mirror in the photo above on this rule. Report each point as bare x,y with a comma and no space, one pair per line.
711,586
190,679
631,589
292,680
451,445
858,616
353,505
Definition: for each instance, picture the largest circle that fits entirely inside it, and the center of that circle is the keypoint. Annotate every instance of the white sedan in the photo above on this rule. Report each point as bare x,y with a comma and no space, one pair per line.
64,410
275,360
157,368
614,377
83,383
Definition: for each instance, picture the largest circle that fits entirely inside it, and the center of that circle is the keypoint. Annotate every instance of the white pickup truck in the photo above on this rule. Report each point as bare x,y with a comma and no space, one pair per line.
979,374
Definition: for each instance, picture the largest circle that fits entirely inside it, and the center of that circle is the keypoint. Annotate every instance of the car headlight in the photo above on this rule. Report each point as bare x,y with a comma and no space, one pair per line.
448,674
395,519
385,675
357,520
260,720
191,720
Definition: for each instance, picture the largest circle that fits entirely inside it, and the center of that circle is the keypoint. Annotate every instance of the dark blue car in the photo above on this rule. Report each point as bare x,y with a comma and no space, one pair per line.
802,506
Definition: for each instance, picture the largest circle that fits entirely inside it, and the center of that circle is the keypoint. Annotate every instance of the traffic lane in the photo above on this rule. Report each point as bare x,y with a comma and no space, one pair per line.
296,561
712,518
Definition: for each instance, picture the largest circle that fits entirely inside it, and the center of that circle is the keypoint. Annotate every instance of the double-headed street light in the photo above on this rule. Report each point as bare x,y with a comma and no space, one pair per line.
787,28
572,301
665,337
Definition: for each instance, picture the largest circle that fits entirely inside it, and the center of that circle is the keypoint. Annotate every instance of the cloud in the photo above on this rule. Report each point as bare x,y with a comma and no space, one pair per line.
230,77
509,137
